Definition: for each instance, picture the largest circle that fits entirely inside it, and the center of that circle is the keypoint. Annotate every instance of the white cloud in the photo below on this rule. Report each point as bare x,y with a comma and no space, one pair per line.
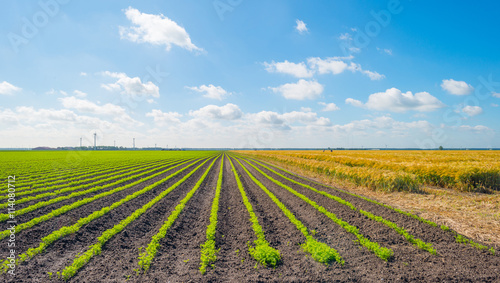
337,65
298,70
478,128
131,86
155,29
457,87
353,67
301,90
54,92
354,102
472,110
494,104
164,118
8,89
118,113
329,65
283,121
495,94
301,26
80,94
227,112
329,106
211,91
46,114
83,74
395,101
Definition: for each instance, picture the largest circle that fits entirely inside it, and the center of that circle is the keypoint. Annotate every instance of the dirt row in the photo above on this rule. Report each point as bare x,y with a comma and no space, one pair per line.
178,257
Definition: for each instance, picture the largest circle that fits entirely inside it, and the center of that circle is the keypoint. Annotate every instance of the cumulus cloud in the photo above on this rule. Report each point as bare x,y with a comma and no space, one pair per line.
118,113
284,120
374,76
300,91
8,89
46,114
164,118
354,102
331,65
131,86
227,112
495,94
298,70
301,26
337,65
80,94
211,91
472,110
457,87
477,128
156,30
396,101
329,106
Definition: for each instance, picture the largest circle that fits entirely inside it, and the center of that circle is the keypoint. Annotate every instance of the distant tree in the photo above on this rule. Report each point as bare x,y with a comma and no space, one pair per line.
440,147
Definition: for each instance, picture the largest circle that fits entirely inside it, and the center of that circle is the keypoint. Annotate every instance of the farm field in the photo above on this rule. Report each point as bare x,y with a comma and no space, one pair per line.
195,216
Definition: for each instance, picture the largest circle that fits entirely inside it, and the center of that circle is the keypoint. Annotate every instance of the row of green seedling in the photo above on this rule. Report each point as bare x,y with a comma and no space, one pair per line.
410,238
74,186
146,257
208,250
62,175
95,249
459,238
67,230
262,251
4,217
66,208
381,252
319,251
74,178
98,174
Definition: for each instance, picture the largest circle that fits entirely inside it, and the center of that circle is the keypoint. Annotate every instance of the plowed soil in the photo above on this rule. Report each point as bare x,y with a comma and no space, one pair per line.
178,257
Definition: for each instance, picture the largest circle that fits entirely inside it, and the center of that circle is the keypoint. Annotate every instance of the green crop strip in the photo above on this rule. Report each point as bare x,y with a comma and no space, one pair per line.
60,177
91,190
79,203
5,217
149,253
320,252
410,238
116,173
381,252
70,181
262,252
208,250
95,249
459,238
64,231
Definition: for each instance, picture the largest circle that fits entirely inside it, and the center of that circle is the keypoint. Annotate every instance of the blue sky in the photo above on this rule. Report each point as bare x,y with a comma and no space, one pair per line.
236,73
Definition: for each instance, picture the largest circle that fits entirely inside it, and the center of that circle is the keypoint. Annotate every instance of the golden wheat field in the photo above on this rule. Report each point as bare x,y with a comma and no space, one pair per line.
398,170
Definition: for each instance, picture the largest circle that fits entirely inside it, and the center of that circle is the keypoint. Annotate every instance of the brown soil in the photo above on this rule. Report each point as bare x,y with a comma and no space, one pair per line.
178,257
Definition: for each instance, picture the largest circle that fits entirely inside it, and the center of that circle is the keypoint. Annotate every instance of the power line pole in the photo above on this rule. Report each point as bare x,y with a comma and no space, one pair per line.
95,137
